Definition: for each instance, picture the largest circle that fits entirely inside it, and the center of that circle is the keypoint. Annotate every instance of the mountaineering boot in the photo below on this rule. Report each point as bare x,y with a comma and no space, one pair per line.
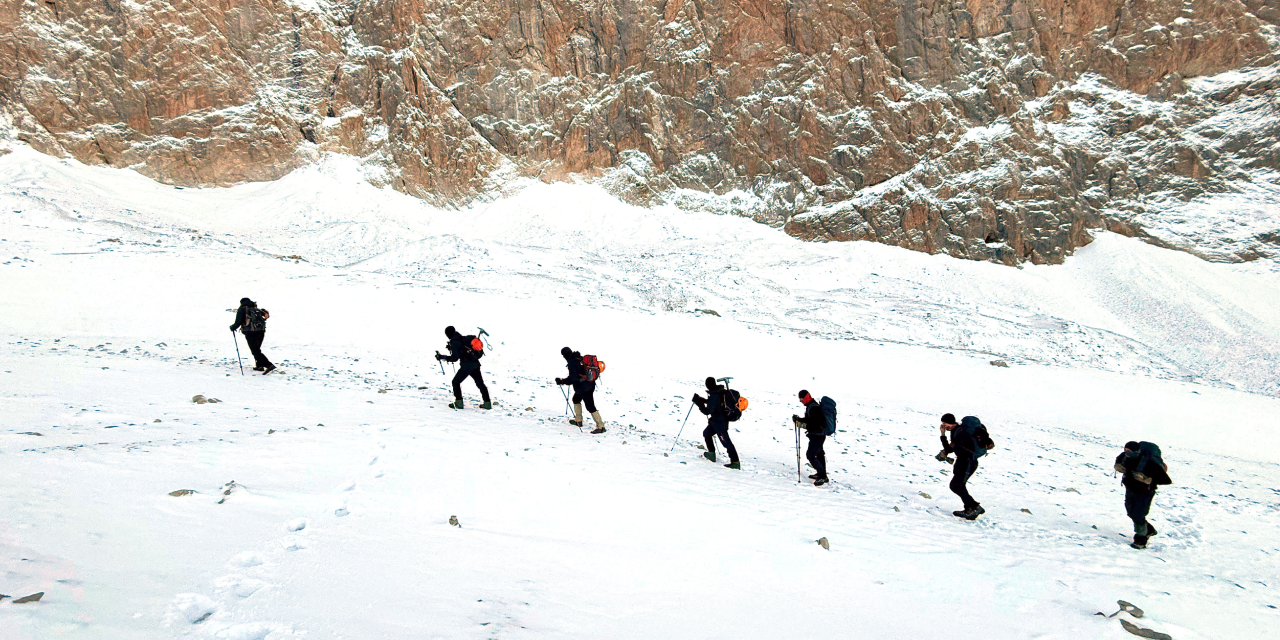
1151,531
595,415
1139,542
972,514
486,405
259,368
268,369
815,476
734,465
710,455
963,513
577,416
456,404
818,482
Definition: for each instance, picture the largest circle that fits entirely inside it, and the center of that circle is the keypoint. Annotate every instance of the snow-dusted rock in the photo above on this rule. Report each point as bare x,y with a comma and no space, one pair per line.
1000,130
194,607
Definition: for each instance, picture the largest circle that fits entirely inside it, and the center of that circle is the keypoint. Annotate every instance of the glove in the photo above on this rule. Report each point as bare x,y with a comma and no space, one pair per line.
698,398
559,380
942,456
233,328
438,356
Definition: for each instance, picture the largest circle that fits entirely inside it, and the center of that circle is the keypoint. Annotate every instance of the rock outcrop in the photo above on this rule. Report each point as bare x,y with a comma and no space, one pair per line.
1001,130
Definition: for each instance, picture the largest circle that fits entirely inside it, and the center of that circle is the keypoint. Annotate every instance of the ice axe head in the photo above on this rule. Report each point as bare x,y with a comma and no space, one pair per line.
725,380
482,331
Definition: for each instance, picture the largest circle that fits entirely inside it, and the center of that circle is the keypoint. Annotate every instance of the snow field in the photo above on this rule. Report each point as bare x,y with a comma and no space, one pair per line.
341,530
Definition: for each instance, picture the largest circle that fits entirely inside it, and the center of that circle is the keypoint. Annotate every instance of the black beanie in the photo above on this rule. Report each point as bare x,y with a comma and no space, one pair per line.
711,384
566,352
1131,445
948,418
244,301
449,331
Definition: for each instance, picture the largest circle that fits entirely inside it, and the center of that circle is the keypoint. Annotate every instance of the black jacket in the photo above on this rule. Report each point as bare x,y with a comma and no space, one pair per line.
963,444
713,406
459,352
577,373
814,420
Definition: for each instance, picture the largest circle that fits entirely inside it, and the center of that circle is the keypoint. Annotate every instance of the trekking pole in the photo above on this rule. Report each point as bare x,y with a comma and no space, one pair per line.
686,421
237,343
799,471
566,399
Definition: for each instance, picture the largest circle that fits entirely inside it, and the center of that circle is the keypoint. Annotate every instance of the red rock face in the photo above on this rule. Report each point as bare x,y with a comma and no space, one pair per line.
927,124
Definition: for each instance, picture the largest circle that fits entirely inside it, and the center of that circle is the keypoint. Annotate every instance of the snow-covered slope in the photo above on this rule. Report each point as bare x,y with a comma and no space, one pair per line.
113,315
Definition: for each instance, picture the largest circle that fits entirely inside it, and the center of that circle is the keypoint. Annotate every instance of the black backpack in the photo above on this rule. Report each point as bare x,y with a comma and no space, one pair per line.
1150,465
255,319
472,347
732,405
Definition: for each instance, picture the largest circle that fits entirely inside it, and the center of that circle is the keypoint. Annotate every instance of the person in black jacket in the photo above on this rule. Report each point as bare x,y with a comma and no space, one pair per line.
717,424
584,389
814,423
965,446
460,351
252,322
1143,469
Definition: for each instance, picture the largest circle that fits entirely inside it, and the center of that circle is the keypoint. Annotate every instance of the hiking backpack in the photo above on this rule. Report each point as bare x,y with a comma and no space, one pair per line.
983,439
734,405
592,367
255,319
473,346
1150,465
829,412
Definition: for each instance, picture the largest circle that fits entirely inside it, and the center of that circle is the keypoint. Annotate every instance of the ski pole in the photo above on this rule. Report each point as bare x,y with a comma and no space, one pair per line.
237,343
799,470
566,399
686,421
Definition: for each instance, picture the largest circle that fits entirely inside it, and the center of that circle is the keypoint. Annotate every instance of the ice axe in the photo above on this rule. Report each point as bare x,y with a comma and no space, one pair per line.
483,334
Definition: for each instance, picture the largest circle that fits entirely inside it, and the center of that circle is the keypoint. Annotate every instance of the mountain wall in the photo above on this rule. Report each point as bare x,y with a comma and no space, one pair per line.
1001,130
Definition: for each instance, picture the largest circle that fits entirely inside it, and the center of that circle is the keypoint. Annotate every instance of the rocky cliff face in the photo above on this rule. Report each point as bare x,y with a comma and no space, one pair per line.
989,129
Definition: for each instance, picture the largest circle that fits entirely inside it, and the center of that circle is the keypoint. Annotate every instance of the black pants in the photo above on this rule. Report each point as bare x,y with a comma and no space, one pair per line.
585,392
721,430
961,472
255,338
815,455
1137,504
474,374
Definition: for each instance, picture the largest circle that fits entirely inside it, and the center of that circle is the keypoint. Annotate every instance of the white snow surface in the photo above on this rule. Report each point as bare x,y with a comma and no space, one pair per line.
322,492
